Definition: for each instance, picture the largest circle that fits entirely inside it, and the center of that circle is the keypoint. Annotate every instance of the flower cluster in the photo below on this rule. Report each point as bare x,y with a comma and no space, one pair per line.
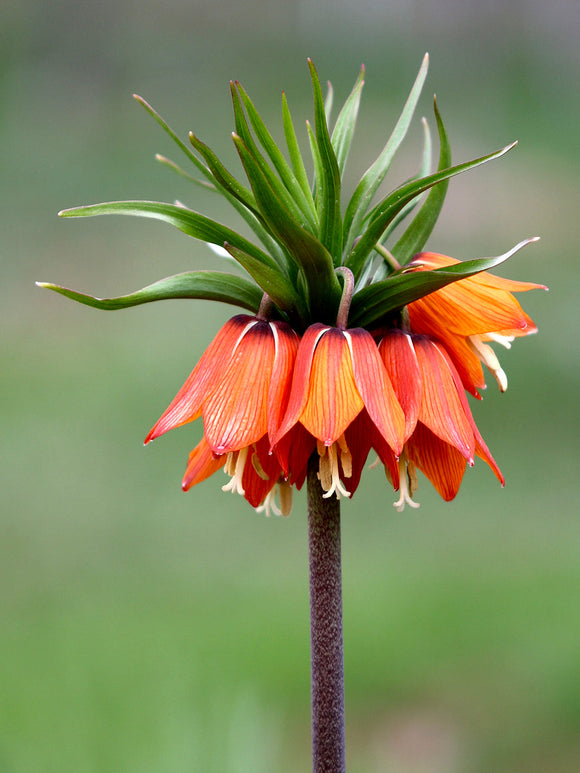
350,345
269,398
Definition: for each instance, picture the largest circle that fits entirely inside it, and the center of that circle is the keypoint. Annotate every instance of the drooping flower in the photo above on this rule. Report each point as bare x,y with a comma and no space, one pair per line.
465,315
239,387
441,436
339,377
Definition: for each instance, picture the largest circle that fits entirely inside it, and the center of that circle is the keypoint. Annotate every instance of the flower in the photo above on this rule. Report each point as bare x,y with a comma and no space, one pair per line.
339,378
465,314
240,387
440,434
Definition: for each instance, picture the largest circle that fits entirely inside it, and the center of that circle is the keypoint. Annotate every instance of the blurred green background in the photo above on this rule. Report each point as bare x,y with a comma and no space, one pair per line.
142,630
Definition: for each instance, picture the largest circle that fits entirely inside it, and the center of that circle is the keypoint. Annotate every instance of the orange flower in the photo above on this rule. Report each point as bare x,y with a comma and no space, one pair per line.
465,314
240,387
339,376
440,434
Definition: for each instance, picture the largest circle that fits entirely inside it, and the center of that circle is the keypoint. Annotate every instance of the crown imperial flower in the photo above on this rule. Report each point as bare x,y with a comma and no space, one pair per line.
353,341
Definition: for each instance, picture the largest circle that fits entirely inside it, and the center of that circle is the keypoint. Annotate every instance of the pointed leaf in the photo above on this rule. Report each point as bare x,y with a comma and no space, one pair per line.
176,168
346,122
280,164
373,177
271,281
243,131
414,238
294,152
207,285
180,144
306,251
222,176
376,302
186,220
330,232
392,204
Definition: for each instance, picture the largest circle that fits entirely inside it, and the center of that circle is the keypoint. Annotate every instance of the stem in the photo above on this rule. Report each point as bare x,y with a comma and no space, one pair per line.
327,671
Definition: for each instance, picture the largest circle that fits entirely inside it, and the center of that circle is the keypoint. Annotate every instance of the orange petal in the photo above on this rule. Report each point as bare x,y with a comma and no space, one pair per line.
443,404
201,464
235,414
397,353
286,345
333,398
375,388
187,403
442,463
300,379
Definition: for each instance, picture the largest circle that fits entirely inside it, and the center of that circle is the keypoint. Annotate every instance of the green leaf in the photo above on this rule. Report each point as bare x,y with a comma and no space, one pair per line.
294,152
223,178
343,131
176,168
375,303
186,220
330,232
414,238
206,285
280,164
392,204
306,251
272,282
424,171
373,177
243,131
180,144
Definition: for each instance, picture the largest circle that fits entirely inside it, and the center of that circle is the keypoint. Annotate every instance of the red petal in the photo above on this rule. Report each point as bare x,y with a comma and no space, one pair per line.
300,380
443,464
201,464
443,408
255,485
235,414
376,389
187,403
398,354
286,342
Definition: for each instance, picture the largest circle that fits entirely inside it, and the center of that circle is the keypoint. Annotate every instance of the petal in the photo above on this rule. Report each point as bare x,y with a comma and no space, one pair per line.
300,379
293,451
187,403
286,345
442,463
398,355
201,464
443,407
333,398
235,414
375,388
261,472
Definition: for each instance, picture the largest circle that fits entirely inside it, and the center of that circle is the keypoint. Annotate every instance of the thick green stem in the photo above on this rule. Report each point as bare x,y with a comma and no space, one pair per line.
327,670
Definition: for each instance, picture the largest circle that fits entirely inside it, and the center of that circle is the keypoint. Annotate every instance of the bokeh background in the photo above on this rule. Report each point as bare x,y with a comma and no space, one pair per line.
142,630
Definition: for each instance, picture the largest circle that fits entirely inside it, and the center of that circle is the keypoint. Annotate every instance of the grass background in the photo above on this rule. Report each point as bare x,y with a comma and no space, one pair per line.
142,630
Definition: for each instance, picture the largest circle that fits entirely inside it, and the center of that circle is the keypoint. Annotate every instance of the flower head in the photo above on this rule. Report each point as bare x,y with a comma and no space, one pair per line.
337,375
466,314
351,342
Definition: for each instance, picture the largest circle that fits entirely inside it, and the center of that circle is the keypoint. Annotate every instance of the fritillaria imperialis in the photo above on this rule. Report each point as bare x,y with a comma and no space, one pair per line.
356,340
353,345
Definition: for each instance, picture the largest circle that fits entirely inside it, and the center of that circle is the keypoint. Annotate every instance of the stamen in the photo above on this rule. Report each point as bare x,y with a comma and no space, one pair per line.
505,341
328,471
235,484
406,486
489,359
269,505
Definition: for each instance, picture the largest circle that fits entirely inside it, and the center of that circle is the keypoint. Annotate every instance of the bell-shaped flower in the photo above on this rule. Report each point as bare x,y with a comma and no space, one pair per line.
240,388
338,375
466,314
440,434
